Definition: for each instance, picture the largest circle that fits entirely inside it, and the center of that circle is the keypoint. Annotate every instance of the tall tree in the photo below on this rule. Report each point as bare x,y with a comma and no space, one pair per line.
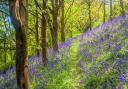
19,17
89,2
104,7
122,7
62,21
44,32
110,9
37,27
5,41
55,6
89,13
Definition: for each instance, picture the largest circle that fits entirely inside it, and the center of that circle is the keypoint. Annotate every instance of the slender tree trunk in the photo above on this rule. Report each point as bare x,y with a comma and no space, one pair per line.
5,56
104,18
122,8
5,53
5,41
44,32
51,29
90,19
55,24
110,9
62,21
37,29
19,18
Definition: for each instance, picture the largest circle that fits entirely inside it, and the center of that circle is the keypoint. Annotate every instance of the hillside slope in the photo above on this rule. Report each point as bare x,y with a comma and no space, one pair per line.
104,56
98,60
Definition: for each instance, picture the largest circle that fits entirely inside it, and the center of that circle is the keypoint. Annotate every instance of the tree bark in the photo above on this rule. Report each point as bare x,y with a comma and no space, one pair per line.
55,24
51,29
89,13
104,18
90,19
44,32
37,29
122,8
5,54
110,9
62,21
19,17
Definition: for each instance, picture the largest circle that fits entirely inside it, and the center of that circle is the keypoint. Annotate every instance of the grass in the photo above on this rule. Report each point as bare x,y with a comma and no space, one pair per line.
99,60
110,63
64,75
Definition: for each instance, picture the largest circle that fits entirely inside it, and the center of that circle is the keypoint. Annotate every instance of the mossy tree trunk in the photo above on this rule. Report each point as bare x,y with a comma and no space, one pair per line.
37,28
62,21
44,32
19,17
55,6
122,8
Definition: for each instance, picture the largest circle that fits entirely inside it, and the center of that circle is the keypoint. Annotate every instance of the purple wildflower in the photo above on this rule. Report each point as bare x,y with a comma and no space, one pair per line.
122,78
126,58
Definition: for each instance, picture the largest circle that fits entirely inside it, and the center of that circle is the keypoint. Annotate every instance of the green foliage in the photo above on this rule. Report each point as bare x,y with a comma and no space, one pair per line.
61,75
108,80
65,74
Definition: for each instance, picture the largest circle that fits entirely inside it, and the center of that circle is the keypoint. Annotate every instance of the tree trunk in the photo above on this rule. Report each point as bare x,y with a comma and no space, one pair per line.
44,32
19,17
55,24
37,29
5,54
90,19
110,9
104,12
62,21
122,8
51,29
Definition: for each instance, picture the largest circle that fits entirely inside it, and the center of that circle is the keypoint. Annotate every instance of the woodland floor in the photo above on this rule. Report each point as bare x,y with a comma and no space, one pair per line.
97,59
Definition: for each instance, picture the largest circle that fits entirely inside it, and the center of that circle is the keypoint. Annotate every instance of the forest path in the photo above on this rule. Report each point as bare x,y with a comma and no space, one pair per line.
75,67
77,48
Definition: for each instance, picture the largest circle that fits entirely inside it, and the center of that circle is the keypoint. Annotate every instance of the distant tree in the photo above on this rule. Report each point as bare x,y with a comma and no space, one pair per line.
89,2
104,7
55,6
62,21
122,7
111,9
19,17
44,32
37,26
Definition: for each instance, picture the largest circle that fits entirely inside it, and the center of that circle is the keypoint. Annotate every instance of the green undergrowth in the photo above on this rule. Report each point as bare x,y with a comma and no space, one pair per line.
105,72
5,66
63,75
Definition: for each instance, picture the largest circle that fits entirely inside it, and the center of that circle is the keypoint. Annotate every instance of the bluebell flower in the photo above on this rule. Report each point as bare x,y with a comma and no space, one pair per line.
126,58
122,78
116,49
